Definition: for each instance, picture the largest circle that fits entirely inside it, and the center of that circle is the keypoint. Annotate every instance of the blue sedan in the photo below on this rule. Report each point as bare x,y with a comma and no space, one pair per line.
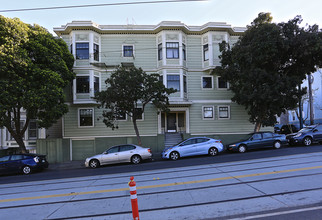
22,163
258,140
193,146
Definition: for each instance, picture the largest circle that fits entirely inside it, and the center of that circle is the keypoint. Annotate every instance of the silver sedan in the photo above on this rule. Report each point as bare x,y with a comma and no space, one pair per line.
120,154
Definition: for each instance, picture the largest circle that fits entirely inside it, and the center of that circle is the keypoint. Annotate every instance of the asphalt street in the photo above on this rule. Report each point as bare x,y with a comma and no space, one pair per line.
265,184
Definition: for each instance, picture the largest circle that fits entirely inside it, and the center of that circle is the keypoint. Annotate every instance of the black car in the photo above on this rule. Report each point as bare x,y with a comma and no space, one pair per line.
22,163
306,136
288,129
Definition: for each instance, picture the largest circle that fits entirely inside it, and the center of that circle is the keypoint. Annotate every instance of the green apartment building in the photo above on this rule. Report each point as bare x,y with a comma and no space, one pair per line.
183,56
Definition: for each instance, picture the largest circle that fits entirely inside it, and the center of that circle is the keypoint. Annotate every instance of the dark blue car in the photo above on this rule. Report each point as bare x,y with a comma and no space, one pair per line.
22,163
258,140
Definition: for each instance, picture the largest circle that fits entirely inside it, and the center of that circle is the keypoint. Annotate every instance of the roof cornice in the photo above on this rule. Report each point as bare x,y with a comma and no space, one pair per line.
147,29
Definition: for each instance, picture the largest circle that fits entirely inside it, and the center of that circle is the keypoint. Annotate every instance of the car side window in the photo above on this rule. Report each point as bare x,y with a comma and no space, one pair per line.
267,135
16,157
113,150
126,147
201,140
188,142
5,158
257,136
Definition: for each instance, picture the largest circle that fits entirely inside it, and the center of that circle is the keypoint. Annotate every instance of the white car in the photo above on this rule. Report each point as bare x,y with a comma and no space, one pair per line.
193,146
119,154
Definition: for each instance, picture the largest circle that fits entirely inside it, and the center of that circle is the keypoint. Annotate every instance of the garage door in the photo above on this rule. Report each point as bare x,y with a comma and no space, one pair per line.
82,149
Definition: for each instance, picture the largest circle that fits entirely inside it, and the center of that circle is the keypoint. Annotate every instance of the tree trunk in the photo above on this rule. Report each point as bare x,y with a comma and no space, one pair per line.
22,147
258,125
137,132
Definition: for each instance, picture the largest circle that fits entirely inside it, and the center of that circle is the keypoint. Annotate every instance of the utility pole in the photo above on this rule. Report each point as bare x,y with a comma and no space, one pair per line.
310,81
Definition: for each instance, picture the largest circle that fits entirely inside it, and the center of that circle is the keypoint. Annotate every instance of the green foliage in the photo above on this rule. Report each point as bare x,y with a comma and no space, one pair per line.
35,67
267,64
129,88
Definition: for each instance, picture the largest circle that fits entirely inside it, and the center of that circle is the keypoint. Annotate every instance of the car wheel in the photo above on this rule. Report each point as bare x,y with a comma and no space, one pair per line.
26,170
174,155
277,144
94,163
307,141
242,149
135,159
213,151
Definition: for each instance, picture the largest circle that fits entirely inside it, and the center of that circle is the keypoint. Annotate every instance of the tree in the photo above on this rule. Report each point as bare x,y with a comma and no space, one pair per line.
130,88
35,67
266,65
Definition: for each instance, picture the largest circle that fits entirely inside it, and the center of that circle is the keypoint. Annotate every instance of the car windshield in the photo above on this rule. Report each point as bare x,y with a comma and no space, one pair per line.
306,129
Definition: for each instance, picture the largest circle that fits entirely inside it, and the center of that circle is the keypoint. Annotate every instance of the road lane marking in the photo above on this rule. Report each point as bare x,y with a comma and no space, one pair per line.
160,185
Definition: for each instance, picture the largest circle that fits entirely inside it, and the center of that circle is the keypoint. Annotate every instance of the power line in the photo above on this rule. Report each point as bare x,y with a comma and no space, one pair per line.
99,5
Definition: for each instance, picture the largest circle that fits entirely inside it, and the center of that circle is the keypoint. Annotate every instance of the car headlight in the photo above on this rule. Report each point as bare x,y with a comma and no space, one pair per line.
167,150
232,145
298,135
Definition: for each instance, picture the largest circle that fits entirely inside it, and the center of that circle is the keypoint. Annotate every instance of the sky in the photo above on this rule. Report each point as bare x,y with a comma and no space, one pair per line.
234,12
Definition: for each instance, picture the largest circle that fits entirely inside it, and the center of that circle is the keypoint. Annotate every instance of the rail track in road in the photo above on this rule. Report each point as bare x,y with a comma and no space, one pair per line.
171,190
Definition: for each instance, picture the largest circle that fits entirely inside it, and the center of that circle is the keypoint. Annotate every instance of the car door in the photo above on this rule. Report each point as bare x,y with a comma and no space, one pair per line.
4,165
125,153
187,148
15,163
255,141
317,133
110,156
268,140
202,146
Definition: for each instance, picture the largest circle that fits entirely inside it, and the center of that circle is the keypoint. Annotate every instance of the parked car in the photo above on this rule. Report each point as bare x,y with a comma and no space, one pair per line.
306,135
258,140
120,154
193,146
288,129
22,163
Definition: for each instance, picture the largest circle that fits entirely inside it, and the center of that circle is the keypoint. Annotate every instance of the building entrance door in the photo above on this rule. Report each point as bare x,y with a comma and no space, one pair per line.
172,122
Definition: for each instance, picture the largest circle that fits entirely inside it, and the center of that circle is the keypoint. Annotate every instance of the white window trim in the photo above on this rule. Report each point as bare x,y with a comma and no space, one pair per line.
213,112
219,106
212,83
78,118
123,50
218,85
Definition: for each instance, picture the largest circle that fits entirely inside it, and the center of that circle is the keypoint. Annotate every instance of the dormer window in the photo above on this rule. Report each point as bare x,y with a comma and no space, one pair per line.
82,51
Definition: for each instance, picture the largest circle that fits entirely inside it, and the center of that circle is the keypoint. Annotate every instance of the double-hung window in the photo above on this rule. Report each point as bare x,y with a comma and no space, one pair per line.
32,129
173,81
172,50
82,84
160,52
184,51
222,84
207,82
86,117
82,51
205,52
96,84
96,52
128,51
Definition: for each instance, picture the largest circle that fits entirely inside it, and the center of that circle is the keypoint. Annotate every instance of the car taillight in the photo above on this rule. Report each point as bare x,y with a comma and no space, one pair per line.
149,150
36,159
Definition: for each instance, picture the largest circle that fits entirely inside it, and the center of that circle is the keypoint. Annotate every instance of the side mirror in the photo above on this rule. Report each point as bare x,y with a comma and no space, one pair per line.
105,152
251,139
